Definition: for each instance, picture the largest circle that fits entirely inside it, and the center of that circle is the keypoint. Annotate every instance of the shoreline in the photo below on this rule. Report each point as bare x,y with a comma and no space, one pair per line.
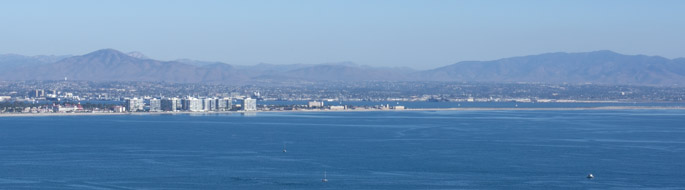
353,110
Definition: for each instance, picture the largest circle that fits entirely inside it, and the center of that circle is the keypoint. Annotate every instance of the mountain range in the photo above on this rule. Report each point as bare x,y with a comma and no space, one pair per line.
597,67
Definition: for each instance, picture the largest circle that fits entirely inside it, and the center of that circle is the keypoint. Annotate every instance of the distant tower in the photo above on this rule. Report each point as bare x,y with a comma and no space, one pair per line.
65,78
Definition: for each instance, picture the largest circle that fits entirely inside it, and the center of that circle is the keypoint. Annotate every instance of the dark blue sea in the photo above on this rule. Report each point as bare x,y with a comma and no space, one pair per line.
624,149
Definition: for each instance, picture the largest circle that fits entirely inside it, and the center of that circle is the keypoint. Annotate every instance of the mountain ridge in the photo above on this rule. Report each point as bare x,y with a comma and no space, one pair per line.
600,67
605,67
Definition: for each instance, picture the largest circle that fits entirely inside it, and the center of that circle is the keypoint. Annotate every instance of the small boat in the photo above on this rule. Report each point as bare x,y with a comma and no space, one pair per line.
324,177
284,148
590,176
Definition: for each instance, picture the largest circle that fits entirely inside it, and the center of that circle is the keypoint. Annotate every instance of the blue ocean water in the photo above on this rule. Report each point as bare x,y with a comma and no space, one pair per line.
624,149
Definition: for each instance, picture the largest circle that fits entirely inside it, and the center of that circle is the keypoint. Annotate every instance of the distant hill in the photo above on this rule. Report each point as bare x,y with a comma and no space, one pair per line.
112,65
10,62
599,67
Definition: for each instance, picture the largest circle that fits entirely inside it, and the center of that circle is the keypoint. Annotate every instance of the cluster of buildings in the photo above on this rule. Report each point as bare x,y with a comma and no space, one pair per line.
191,104
53,108
47,95
320,105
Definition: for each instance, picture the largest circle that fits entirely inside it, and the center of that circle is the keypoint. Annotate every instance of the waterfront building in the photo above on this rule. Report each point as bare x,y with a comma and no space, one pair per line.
65,108
179,104
169,104
141,104
192,104
208,104
185,103
337,107
134,104
315,104
249,104
223,104
155,105
119,109
195,104
131,104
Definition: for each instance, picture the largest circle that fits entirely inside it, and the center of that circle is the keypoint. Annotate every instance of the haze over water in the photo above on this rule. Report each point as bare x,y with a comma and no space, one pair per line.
359,150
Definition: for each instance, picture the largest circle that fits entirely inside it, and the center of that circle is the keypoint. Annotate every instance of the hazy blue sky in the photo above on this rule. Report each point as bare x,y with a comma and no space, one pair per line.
419,34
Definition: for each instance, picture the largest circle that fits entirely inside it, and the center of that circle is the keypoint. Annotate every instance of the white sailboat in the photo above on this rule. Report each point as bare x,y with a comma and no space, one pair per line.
284,148
324,177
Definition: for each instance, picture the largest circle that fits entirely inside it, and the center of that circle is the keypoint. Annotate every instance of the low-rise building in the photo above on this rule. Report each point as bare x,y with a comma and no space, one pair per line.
337,107
119,109
65,108
315,104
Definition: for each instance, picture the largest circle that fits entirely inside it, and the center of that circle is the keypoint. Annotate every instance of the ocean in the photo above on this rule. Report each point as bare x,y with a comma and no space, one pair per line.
513,149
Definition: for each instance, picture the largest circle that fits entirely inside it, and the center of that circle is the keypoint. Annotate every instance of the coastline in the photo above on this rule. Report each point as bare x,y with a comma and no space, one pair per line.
354,110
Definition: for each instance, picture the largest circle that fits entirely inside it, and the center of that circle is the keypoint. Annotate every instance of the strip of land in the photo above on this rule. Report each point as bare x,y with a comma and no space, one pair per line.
353,110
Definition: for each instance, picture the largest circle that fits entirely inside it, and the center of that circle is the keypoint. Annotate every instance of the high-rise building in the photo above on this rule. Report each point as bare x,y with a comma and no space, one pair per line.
141,104
208,104
169,104
130,105
179,104
192,104
185,104
155,105
195,104
134,104
249,104
223,104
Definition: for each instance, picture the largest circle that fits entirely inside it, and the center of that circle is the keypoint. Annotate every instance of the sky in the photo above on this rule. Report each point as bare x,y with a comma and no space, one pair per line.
419,34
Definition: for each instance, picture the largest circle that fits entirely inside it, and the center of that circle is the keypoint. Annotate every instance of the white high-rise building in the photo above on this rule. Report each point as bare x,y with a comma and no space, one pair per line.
223,104
192,104
134,104
195,104
249,104
208,104
155,105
